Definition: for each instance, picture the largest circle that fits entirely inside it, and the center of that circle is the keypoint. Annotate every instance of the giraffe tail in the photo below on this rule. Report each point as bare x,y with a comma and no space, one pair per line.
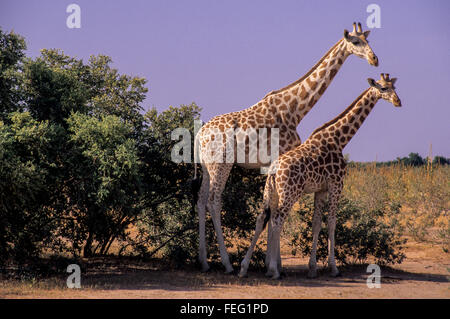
195,185
195,182
266,216
268,197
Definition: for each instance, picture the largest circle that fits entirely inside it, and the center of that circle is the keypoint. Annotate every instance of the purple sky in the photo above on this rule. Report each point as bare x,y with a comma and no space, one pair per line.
226,55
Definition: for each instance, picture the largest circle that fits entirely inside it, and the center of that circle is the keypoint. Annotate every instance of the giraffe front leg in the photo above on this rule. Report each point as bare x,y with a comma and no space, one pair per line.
334,198
319,201
278,256
331,243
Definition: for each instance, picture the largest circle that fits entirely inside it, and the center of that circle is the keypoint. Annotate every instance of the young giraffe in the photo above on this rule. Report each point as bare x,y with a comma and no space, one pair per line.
317,166
282,109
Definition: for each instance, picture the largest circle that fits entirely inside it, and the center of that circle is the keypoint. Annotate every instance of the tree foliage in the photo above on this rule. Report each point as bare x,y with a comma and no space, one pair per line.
12,47
104,180
413,159
27,183
70,151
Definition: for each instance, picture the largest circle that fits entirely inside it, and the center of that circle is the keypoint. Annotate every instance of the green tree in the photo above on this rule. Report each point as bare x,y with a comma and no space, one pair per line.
441,160
57,85
89,186
105,186
12,47
53,92
413,159
98,110
26,185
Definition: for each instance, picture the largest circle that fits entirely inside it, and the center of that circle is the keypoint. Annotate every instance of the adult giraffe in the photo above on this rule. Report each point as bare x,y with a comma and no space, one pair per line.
317,166
282,109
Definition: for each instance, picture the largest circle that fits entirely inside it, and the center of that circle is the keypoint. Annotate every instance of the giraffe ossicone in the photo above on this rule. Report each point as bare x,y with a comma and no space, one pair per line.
281,109
316,166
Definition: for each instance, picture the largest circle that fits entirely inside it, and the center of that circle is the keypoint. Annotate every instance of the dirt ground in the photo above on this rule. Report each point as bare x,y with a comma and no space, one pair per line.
425,273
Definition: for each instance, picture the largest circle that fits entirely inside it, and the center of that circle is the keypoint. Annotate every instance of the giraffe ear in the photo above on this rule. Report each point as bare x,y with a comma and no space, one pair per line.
372,82
346,36
366,33
393,80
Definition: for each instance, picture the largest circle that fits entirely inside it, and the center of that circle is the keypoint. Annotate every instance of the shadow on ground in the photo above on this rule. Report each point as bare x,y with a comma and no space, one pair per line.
104,274
110,273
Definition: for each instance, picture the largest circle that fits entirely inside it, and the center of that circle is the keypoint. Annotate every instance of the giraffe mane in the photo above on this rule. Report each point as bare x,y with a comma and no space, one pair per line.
306,75
342,115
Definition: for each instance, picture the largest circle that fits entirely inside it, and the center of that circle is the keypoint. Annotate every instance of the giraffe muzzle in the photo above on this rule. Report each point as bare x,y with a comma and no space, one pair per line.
373,60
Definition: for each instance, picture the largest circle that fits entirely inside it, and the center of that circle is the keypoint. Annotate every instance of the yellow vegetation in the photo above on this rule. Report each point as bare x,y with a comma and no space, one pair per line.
423,195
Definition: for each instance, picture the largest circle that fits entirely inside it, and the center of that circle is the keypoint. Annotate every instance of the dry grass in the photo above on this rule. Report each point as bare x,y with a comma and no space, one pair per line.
423,195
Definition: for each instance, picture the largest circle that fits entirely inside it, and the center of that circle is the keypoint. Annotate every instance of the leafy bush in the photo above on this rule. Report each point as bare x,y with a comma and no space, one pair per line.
360,235
26,185
12,53
104,167
70,172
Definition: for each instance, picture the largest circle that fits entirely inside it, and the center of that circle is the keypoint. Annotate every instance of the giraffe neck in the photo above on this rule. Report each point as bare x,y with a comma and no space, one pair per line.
295,100
340,130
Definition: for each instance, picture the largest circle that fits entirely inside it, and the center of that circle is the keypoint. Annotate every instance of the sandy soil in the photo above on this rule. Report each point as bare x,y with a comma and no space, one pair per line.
424,274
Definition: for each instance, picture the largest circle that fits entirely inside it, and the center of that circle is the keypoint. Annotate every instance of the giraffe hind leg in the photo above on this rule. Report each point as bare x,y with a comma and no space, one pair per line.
334,195
319,202
261,222
218,177
273,270
201,207
273,204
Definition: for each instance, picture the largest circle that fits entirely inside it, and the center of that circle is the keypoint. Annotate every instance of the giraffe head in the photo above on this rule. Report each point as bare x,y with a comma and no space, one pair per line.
385,89
358,45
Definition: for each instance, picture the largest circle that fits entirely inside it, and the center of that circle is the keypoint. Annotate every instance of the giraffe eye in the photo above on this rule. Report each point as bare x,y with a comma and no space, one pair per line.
355,42
383,89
